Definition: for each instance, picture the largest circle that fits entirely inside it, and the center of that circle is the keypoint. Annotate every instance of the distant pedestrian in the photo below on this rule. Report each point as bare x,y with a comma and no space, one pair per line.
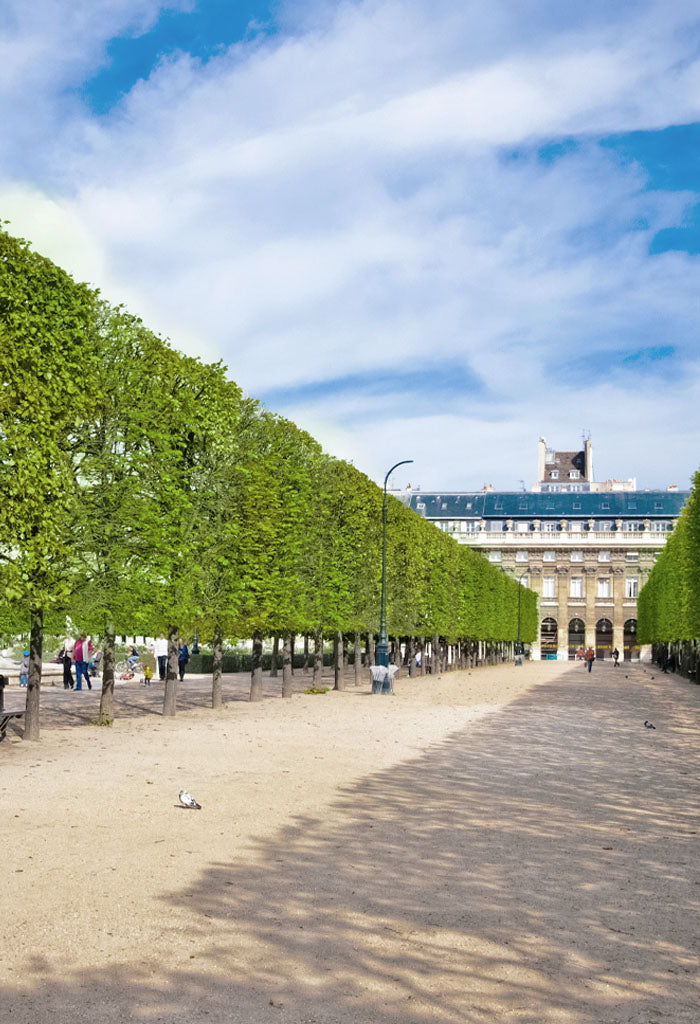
81,658
580,653
183,656
24,669
160,652
590,658
616,657
147,675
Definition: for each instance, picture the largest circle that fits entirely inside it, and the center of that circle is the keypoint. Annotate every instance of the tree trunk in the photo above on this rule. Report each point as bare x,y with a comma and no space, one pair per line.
170,692
371,653
306,653
256,691
411,655
421,648
339,683
287,682
31,712
435,655
292,644
346,657
106,716
318,658
217,697
275,655
357,656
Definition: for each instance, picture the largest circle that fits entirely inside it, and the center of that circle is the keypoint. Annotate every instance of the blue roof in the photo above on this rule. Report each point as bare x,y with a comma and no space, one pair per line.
533,504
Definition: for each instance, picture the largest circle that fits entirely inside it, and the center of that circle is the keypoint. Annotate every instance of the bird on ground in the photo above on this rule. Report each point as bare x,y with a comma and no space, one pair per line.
189,801
648,725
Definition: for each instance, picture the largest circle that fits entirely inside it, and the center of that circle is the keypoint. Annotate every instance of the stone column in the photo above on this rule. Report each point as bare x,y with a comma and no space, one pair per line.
562,577
590,618
618,616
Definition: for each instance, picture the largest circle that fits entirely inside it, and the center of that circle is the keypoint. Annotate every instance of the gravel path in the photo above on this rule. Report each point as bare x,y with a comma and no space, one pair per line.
502,845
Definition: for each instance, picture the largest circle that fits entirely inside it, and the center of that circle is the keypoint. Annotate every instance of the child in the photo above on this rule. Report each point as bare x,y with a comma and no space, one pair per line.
24,669
147,675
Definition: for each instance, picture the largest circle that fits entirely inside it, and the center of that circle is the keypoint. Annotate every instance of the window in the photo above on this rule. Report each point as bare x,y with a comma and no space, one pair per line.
444,505
661,526
605,506
549,556
604,525
549,586
632,556
576,526
632,525
549,455
576,586
577,556
555,474
522,556
574,474
604,586
522,505
420,506
470,526
498,506
495,525
522,527
603,556
576,506
524,581
658,506
494,556
549,527
631,506
632,587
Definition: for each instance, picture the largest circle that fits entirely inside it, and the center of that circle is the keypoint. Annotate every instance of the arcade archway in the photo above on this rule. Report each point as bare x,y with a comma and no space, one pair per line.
603,638
629,640
577,636
548,639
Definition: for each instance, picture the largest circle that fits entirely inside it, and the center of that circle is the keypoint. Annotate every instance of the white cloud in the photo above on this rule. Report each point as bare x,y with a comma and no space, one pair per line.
337,200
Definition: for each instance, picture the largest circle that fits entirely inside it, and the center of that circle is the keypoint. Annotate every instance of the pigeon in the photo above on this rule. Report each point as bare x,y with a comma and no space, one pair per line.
189,801
648,725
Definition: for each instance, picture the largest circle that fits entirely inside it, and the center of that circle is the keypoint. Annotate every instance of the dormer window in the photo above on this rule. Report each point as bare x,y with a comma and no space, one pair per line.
574,474
555,474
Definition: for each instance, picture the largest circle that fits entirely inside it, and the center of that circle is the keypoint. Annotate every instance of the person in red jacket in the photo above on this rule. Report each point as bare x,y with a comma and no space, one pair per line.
590,658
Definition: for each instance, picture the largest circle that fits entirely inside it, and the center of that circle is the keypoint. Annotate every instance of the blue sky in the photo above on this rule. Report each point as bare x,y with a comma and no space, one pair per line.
429,230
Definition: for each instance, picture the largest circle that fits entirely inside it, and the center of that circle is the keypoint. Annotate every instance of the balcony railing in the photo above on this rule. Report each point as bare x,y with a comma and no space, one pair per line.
562,538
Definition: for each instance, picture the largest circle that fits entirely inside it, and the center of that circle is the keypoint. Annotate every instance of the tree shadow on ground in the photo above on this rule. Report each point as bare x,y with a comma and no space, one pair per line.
533,867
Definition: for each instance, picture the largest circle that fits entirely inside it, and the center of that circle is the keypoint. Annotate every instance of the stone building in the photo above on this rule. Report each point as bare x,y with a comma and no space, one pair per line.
585,547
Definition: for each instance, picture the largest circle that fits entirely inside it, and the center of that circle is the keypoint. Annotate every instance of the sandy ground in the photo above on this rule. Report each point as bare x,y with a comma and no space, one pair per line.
508,844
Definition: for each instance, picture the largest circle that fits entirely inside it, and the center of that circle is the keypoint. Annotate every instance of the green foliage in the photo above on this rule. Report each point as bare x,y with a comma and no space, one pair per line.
669,602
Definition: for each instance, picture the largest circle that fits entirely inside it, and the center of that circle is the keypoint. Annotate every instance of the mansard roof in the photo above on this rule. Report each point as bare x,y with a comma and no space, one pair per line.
543,505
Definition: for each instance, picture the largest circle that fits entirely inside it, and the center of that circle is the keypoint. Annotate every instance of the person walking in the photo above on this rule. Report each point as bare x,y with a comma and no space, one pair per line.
590,658
66,656
81,658
616,657
24,669
160,652
183,656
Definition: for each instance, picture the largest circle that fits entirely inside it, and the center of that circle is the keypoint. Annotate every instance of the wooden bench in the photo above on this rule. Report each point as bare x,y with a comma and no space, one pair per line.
5,718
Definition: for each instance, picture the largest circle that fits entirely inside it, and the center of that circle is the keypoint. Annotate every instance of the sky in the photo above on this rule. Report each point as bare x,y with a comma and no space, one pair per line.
422,229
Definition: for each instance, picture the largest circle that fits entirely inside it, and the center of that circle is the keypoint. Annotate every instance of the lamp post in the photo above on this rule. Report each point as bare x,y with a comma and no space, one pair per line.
383,643
195,643
519,646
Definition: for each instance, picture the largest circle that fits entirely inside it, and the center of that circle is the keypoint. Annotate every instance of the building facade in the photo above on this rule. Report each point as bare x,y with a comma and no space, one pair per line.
584,548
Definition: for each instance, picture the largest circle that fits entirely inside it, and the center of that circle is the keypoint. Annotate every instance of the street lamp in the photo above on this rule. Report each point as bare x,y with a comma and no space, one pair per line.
383,643
519,646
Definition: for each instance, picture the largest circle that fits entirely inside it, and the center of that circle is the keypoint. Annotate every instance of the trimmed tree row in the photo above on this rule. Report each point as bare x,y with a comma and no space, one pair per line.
145,493
669,603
